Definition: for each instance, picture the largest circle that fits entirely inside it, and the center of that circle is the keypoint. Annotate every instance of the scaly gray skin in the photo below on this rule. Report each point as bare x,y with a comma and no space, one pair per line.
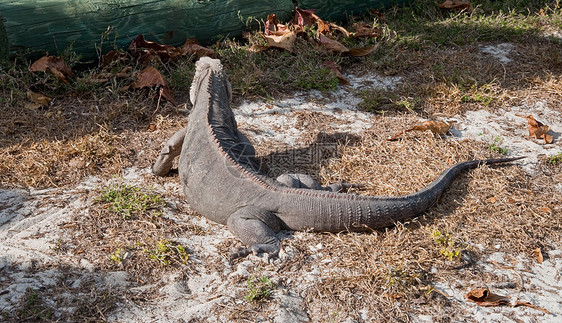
222,181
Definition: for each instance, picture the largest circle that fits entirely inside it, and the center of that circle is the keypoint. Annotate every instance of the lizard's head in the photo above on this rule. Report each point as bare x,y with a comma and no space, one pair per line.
203,68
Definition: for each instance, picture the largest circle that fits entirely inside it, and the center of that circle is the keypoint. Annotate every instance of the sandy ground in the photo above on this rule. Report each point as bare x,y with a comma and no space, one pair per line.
32,224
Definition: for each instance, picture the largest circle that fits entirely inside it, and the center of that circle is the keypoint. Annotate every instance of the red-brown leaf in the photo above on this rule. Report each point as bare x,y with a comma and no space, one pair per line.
334,68
191,46
332,45
284,41
366,30
437,127
145,51
363,51
538,254
54,65
457,5
149,77
483,297
537,129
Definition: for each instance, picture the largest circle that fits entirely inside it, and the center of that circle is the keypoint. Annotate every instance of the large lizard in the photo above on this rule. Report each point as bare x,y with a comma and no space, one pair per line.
222,181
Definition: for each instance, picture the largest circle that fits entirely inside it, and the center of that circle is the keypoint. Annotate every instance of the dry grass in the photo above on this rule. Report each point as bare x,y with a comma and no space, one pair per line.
99,131
484,209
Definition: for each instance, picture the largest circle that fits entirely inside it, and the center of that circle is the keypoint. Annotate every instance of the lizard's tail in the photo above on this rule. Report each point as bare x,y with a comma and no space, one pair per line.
418,202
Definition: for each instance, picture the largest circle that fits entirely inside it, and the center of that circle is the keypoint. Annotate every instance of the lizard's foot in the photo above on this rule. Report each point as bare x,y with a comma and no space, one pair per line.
272,251
256,227
339,186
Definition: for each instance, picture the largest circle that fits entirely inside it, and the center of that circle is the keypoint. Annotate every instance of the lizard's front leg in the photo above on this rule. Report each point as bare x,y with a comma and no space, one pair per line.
171,149
255,227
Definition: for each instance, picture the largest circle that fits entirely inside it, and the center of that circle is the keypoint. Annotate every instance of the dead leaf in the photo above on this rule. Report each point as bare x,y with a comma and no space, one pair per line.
363,29
457,5
112,57
152,127
483,297
273,27
150,77
38,98
145,51
363,51
306,18
334,68
332,45
521,303
492,200
191,46
537,129
284,41
546,209
437,127
53,64
539,256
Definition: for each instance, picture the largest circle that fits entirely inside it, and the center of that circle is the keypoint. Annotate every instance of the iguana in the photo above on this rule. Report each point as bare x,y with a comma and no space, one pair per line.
222,180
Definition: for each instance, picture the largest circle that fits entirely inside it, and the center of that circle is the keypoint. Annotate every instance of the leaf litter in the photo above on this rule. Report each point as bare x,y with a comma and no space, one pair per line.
484,297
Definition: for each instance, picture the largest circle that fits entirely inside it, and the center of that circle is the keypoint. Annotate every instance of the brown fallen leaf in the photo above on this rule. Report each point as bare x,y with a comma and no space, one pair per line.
457,5
191,46
539,256
363,51
150,77
38,99
363,29
437,127
537,129
284,41
492,200
335,69
332,45
522,303
53,64
112,57
483,297
306,18
545,209
145,51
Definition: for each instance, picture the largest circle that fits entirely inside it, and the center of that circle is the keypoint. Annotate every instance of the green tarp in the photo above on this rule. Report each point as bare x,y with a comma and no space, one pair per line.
341,9
55,25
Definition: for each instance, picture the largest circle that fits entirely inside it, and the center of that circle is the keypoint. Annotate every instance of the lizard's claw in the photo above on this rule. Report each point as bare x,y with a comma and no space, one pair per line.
272,251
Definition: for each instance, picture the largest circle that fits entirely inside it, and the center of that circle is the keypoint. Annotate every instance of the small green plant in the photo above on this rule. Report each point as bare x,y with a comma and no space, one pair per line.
130,201
495,146
447,244
164,252
117,255
32,307
555,159
480,98
321,79
259,288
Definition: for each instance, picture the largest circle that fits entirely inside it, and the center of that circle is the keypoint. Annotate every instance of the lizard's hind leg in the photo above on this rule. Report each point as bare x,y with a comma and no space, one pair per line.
171,149
255,227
